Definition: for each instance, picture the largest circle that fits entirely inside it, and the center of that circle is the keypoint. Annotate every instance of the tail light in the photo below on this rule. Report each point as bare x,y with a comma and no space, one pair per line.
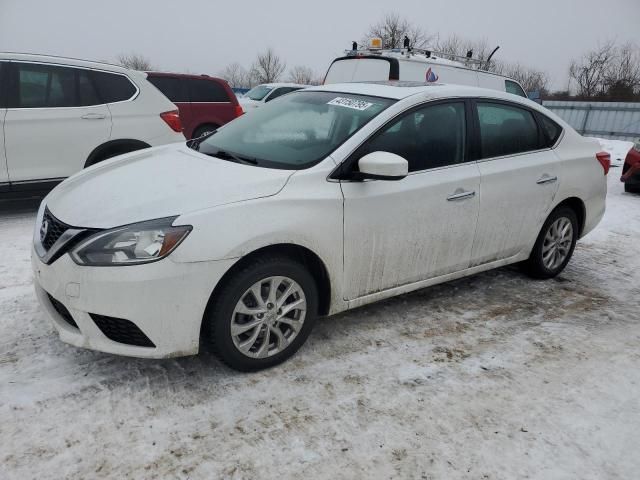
172,119
605,160
239,110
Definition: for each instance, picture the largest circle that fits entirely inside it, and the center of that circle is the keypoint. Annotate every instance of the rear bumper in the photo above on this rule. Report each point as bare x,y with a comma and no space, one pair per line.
165,301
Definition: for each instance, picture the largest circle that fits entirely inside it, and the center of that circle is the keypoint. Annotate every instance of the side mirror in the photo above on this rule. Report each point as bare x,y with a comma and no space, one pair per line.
382,166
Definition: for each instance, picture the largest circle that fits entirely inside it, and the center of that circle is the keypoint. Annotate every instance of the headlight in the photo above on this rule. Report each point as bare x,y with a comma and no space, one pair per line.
132,244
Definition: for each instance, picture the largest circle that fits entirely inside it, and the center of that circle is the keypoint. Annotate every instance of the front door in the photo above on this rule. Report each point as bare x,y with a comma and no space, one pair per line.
53,123
400,232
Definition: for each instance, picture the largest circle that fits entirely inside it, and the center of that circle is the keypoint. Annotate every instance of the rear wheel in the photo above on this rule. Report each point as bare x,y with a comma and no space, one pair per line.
631,188
555,244
262,315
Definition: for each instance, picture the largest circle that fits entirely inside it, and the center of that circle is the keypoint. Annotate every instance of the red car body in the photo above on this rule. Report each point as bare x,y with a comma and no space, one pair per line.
205,103
631,170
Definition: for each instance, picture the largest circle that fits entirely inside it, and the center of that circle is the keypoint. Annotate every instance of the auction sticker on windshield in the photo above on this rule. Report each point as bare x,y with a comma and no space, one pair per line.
350,103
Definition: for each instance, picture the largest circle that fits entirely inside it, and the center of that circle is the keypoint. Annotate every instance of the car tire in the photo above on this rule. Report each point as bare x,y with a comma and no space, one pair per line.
236,306
203,130
553,248
631,188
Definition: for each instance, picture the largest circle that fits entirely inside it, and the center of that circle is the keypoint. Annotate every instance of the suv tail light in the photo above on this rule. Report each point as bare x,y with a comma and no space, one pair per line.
239,110
172,119
605,160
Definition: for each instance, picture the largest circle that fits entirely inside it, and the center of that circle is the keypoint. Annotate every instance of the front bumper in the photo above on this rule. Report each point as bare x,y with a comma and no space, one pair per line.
165,300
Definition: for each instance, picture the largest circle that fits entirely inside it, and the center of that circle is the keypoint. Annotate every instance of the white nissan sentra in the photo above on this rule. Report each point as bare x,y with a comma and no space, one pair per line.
323,200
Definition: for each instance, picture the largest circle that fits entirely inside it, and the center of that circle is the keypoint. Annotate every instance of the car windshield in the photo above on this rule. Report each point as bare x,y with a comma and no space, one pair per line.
258,93
296,131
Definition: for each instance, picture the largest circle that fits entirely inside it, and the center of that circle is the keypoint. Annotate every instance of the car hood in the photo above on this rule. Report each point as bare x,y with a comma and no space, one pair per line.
155,183
247,103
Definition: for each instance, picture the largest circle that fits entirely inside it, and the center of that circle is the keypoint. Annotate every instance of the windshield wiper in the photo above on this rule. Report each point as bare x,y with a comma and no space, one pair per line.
194,143
233,157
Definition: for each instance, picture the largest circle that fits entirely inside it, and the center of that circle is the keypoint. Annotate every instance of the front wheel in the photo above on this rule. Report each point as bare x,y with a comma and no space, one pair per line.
554,246
263,314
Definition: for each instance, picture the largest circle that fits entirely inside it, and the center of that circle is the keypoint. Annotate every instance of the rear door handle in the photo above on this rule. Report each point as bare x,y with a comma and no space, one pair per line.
94,116
461,195
546,179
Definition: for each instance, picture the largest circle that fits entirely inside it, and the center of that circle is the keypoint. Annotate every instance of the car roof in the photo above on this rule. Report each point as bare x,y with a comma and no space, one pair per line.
282,84
184,75
53,59
398,90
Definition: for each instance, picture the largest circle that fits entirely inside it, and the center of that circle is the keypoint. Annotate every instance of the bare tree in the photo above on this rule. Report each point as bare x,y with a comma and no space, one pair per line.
532,80
135,61
589,73
392,30
301,74
236,75
268,67
622,76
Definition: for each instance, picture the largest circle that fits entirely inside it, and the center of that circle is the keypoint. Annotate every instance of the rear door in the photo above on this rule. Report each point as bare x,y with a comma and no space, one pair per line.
519,179
4,175
53,122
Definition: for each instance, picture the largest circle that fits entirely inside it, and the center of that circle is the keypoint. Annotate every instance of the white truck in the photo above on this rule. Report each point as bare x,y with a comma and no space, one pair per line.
415,65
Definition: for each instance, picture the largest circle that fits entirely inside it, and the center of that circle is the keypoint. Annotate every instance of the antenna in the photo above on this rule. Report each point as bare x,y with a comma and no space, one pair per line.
491,56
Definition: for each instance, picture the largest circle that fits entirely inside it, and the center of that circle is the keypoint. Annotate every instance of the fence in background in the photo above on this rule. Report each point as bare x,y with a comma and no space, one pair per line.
616,120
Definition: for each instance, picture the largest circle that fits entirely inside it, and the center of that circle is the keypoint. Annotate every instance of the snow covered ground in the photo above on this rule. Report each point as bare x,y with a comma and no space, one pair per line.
490,377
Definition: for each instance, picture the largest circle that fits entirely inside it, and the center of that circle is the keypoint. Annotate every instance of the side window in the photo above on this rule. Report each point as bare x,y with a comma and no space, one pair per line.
171,88
113,87
87,93
550,129
2,89
207,91
513,87
506,130
279,92
430,137
42,86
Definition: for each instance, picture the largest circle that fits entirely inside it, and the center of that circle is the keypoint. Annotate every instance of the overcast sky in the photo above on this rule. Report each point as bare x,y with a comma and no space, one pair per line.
203,36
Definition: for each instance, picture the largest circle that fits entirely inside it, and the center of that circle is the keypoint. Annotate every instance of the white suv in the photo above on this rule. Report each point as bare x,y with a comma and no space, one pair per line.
327,199
59,115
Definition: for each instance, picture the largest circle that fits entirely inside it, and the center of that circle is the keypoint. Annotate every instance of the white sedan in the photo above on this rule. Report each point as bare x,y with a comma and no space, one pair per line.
266,92
325,200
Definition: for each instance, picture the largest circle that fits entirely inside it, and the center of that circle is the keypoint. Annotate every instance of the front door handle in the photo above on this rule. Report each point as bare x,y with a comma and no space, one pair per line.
546,179
94,116
461,195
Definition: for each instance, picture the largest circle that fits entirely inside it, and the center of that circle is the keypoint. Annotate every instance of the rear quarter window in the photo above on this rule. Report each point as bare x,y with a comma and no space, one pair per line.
113,87
551,130
202,90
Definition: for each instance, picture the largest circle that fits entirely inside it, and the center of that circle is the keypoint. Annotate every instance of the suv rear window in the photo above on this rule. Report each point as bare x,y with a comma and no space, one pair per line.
206,91
113,87
171,87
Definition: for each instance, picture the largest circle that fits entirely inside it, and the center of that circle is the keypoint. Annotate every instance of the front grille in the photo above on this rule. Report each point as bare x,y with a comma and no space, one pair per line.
62,311
52,228
121,331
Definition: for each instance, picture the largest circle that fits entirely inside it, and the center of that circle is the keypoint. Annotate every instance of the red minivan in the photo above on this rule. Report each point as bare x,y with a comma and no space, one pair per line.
205,102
